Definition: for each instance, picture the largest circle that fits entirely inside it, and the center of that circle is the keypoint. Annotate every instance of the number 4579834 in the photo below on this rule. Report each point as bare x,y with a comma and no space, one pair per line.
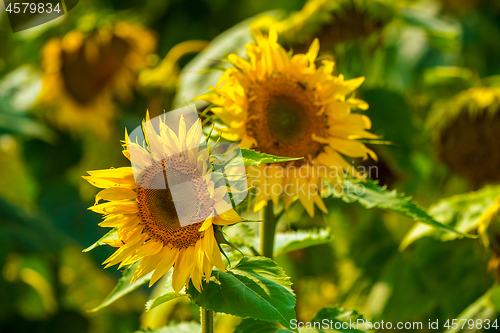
32,7
471,324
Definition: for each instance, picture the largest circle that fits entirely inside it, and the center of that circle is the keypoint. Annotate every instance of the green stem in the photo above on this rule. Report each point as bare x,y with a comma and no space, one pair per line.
268,230
207,320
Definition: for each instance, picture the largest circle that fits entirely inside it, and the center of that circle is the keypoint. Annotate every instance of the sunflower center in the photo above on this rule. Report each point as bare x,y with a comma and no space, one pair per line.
162,216
85,80
284,118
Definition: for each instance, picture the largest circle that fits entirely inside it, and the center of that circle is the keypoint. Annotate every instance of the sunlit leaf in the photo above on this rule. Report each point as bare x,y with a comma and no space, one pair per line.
295,240
123,288
167,294
256,287
460,212
371,195
336,317
253,326
443,33
112,235
479,310
255,158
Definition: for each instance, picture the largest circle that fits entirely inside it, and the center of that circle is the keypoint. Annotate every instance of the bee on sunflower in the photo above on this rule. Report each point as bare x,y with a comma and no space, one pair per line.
286,105
84,72
154,225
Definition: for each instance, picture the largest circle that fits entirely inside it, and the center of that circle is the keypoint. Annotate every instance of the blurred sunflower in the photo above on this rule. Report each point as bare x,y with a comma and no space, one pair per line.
466,131
146,218
286,106
84,72
332,22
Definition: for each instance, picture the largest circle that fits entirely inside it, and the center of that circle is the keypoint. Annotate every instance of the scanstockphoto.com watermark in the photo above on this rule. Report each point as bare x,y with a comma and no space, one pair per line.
364,324
307,180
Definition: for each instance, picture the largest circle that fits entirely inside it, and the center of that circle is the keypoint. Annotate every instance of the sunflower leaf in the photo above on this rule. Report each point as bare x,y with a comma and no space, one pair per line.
336,317
251,326
123,287
370,195
190,327
290,241
460,211
256,287
167,295
112,235
255,158
286,242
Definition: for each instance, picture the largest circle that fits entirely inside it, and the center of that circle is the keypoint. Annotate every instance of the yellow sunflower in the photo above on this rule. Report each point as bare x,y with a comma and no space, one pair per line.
148,224
465,130
332,21
84,72
286,106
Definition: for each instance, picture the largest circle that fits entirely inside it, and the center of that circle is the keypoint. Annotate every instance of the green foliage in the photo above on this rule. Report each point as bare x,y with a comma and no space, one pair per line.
251,326
123,287
443,34
295,240
336,315
460,212
256,287
255,158
167,294
176,328
112,235
371,195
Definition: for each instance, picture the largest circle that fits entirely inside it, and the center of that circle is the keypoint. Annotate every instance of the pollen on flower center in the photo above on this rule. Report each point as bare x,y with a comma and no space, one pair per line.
285,118
160,214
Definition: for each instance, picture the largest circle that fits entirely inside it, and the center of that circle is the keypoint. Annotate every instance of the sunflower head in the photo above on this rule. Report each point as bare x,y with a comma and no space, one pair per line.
466,133
165,206
288,106
333,22
83,72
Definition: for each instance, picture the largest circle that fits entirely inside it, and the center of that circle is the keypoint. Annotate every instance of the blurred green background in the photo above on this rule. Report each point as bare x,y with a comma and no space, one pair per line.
417,57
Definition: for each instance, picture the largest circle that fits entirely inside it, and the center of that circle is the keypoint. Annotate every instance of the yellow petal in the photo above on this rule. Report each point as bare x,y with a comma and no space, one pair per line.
164,265
183,268
115,193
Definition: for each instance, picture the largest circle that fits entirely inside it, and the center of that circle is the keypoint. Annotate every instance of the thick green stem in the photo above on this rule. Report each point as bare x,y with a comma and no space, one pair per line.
268,230
207,320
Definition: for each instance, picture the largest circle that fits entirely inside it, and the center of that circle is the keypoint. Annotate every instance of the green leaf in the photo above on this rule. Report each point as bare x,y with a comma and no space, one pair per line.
336,317
253,326
167,295
369,194
480,309
123,287
255,158
240,234
290,241
460,212
442,33
191,327
112,235
256,287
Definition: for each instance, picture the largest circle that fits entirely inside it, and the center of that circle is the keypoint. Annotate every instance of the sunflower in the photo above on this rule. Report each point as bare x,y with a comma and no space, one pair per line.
84,72
466,130
149,227
333,22
287,106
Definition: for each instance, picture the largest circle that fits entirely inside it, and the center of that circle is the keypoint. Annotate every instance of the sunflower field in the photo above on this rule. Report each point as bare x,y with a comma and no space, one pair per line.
249,166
